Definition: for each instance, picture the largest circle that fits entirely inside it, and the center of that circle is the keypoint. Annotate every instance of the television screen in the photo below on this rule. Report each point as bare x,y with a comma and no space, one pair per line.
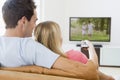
96,29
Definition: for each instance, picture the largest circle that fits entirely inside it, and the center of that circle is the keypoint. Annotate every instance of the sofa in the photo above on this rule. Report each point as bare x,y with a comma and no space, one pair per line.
13,75
34,73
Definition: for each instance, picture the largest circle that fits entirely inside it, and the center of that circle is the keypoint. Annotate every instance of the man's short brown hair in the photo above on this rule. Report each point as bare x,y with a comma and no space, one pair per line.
14,10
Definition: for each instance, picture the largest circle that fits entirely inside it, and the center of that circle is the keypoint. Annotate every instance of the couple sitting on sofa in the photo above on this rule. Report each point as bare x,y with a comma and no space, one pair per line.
48,33
18,49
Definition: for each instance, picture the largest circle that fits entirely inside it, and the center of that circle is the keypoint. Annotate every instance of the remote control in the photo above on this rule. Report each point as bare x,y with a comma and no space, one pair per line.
84,44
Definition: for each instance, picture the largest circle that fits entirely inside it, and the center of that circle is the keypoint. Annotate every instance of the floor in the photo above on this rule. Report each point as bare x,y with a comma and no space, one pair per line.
113,71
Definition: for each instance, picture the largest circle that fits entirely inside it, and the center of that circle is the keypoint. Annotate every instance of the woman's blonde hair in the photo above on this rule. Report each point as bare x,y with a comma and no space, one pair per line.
48,33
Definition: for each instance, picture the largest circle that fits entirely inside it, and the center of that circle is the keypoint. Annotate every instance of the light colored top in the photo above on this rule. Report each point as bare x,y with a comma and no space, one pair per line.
77,56
16,52
84,29
90,28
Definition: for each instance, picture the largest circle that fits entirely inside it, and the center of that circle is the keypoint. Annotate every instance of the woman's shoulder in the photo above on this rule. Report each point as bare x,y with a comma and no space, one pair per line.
77,56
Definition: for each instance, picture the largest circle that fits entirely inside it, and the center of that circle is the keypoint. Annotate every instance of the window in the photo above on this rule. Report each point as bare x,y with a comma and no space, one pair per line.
2,25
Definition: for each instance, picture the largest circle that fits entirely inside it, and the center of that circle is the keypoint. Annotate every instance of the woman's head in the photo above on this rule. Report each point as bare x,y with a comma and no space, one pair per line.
48,33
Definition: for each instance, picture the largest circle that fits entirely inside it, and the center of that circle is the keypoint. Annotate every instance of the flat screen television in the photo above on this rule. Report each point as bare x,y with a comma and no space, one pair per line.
95,29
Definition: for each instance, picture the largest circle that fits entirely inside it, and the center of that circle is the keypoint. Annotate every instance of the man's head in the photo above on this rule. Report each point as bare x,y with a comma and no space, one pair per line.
19,12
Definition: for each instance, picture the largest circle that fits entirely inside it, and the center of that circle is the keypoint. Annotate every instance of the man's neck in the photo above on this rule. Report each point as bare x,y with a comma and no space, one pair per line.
13,33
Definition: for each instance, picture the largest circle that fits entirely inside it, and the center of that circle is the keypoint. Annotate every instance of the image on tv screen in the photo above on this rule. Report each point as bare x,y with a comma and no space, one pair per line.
90,28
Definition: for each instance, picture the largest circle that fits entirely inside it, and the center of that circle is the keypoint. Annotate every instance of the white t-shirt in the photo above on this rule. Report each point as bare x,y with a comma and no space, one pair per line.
90,28
16,52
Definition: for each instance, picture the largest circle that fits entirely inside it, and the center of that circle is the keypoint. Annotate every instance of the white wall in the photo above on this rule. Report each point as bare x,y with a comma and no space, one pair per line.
55,10
61,10
112,59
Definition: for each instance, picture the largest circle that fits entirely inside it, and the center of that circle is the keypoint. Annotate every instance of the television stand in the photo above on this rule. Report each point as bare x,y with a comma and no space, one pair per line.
97,49
95,45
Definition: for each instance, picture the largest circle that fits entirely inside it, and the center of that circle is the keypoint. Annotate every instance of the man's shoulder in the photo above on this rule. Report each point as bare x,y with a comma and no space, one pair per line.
18,42
16,39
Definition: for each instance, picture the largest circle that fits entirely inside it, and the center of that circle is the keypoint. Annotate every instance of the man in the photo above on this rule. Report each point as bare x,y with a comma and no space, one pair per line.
18,49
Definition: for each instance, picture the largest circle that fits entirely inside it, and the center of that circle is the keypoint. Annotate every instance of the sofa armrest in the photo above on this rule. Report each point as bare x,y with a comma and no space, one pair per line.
12,75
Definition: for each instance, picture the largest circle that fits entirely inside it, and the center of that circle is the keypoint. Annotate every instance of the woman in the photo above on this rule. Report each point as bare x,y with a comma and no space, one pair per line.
48,33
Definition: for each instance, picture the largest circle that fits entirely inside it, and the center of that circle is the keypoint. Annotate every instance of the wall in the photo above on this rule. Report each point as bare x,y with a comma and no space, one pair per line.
55,10
61,10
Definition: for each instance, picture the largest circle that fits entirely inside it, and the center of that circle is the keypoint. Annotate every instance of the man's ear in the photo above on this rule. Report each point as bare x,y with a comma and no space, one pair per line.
22,21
